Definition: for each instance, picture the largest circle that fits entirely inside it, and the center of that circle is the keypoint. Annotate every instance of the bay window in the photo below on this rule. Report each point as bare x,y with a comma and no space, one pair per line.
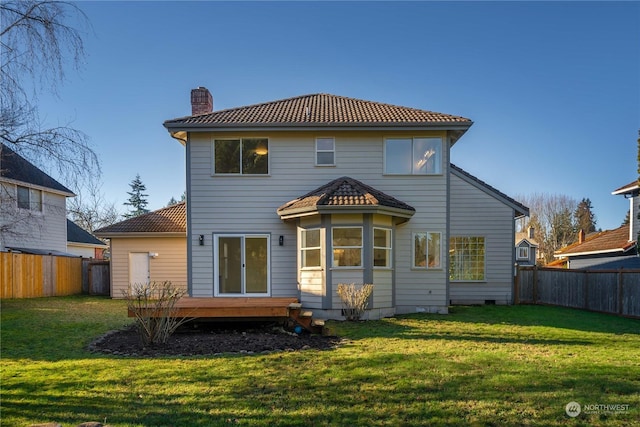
347,246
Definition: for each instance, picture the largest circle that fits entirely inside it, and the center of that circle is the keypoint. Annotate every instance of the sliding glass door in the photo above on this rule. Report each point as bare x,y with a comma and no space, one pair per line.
241,264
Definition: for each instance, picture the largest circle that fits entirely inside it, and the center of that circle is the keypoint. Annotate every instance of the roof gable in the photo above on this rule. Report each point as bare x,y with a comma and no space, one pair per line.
519,208
319,109
172,219
16,168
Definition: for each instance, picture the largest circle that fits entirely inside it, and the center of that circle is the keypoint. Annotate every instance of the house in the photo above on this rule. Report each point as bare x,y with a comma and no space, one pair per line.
32,207
147,248
292,197
82,243
609,249
526,247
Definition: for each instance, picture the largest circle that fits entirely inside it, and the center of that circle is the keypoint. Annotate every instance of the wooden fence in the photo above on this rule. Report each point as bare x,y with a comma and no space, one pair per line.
606,291
32,276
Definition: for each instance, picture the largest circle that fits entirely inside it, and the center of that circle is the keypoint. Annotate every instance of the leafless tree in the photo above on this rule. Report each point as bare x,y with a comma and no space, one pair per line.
89,210
36,42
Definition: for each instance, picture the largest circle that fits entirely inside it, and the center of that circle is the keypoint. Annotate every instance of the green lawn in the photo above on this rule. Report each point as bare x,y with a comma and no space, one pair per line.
487,365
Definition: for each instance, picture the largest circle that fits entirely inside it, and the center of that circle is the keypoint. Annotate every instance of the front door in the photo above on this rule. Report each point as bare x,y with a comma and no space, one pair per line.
241,264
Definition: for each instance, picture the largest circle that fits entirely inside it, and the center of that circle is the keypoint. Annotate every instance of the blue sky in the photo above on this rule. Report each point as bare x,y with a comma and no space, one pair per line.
553,88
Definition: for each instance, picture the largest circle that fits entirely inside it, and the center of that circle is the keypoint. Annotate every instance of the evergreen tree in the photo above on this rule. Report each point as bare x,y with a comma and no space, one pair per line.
627,218
137,198
584,217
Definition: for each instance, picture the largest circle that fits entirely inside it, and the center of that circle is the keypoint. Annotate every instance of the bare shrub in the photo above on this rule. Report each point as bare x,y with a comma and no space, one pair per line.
154,307
355,299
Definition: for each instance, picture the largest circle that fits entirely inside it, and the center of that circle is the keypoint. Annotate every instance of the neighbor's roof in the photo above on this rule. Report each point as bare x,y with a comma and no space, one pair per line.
344,194
522,236
16,168
172,219
632,187
607,241
76,234
320,110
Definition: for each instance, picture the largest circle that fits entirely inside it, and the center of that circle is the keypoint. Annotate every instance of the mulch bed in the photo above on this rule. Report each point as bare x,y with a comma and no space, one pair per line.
209,339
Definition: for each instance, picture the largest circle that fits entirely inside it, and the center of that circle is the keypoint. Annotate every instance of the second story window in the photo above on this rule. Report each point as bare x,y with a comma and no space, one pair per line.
523,252
325,152
29,198
245,156
413,156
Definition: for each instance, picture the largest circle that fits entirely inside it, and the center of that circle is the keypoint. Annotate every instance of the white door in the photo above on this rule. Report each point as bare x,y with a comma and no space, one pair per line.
139,268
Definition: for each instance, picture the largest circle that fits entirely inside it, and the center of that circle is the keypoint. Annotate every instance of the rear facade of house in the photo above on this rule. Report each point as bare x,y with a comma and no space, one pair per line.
292,198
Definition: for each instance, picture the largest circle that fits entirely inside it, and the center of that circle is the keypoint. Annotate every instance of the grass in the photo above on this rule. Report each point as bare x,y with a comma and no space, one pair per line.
491,365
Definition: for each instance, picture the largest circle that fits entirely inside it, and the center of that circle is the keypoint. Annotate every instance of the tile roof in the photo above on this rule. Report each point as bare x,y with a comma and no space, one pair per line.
15,167
616,240
344,192
318,109
629,188
77,234
172,219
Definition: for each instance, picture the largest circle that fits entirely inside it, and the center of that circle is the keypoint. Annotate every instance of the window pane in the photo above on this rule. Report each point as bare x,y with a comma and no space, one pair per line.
311,258
420,250
23,197
347,257
467,257
230,265
381,257
381,238
255,156
347,237
227,156
310,238
325,158
426,155
433,250
256,272
398,156
35,199
325,144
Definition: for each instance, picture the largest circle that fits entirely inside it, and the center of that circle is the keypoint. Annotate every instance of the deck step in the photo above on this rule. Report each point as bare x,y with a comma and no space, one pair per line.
317,322
306,314
295,306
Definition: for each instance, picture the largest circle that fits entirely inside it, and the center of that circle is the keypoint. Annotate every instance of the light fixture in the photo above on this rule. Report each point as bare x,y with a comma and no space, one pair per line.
201,240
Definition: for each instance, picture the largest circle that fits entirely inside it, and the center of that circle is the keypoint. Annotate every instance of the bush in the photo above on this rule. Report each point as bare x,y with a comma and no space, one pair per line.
354,299
154,307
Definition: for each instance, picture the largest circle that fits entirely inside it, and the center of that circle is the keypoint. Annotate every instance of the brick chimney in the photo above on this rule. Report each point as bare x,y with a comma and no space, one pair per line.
201,101
581,236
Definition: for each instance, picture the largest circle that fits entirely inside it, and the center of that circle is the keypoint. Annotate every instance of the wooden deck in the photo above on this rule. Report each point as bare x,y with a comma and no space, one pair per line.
232,308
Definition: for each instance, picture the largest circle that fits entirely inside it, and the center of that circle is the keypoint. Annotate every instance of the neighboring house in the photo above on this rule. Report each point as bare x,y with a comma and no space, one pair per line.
526,247
32,207
148,248
291,198
82,243
609,249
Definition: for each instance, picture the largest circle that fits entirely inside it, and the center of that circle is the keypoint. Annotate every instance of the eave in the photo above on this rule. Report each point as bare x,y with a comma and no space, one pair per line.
137,234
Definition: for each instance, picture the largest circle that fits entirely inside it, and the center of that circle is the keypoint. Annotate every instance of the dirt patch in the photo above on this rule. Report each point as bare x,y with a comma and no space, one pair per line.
203,339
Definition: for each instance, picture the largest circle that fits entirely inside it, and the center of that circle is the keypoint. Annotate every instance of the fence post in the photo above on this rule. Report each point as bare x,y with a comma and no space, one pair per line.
535,284
620,290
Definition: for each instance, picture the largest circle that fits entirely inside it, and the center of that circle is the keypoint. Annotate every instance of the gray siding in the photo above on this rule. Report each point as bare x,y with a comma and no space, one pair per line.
475,212
248,204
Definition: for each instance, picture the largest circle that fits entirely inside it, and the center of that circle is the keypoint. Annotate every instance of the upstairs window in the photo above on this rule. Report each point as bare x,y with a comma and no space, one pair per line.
29,198
413,156
325,152
246,156
523,252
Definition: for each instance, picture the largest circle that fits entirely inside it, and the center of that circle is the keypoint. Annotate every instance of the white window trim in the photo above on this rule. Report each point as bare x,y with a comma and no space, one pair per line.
518,252
316,267
240,138
413,252
389,248
348,267
412,138
326,151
